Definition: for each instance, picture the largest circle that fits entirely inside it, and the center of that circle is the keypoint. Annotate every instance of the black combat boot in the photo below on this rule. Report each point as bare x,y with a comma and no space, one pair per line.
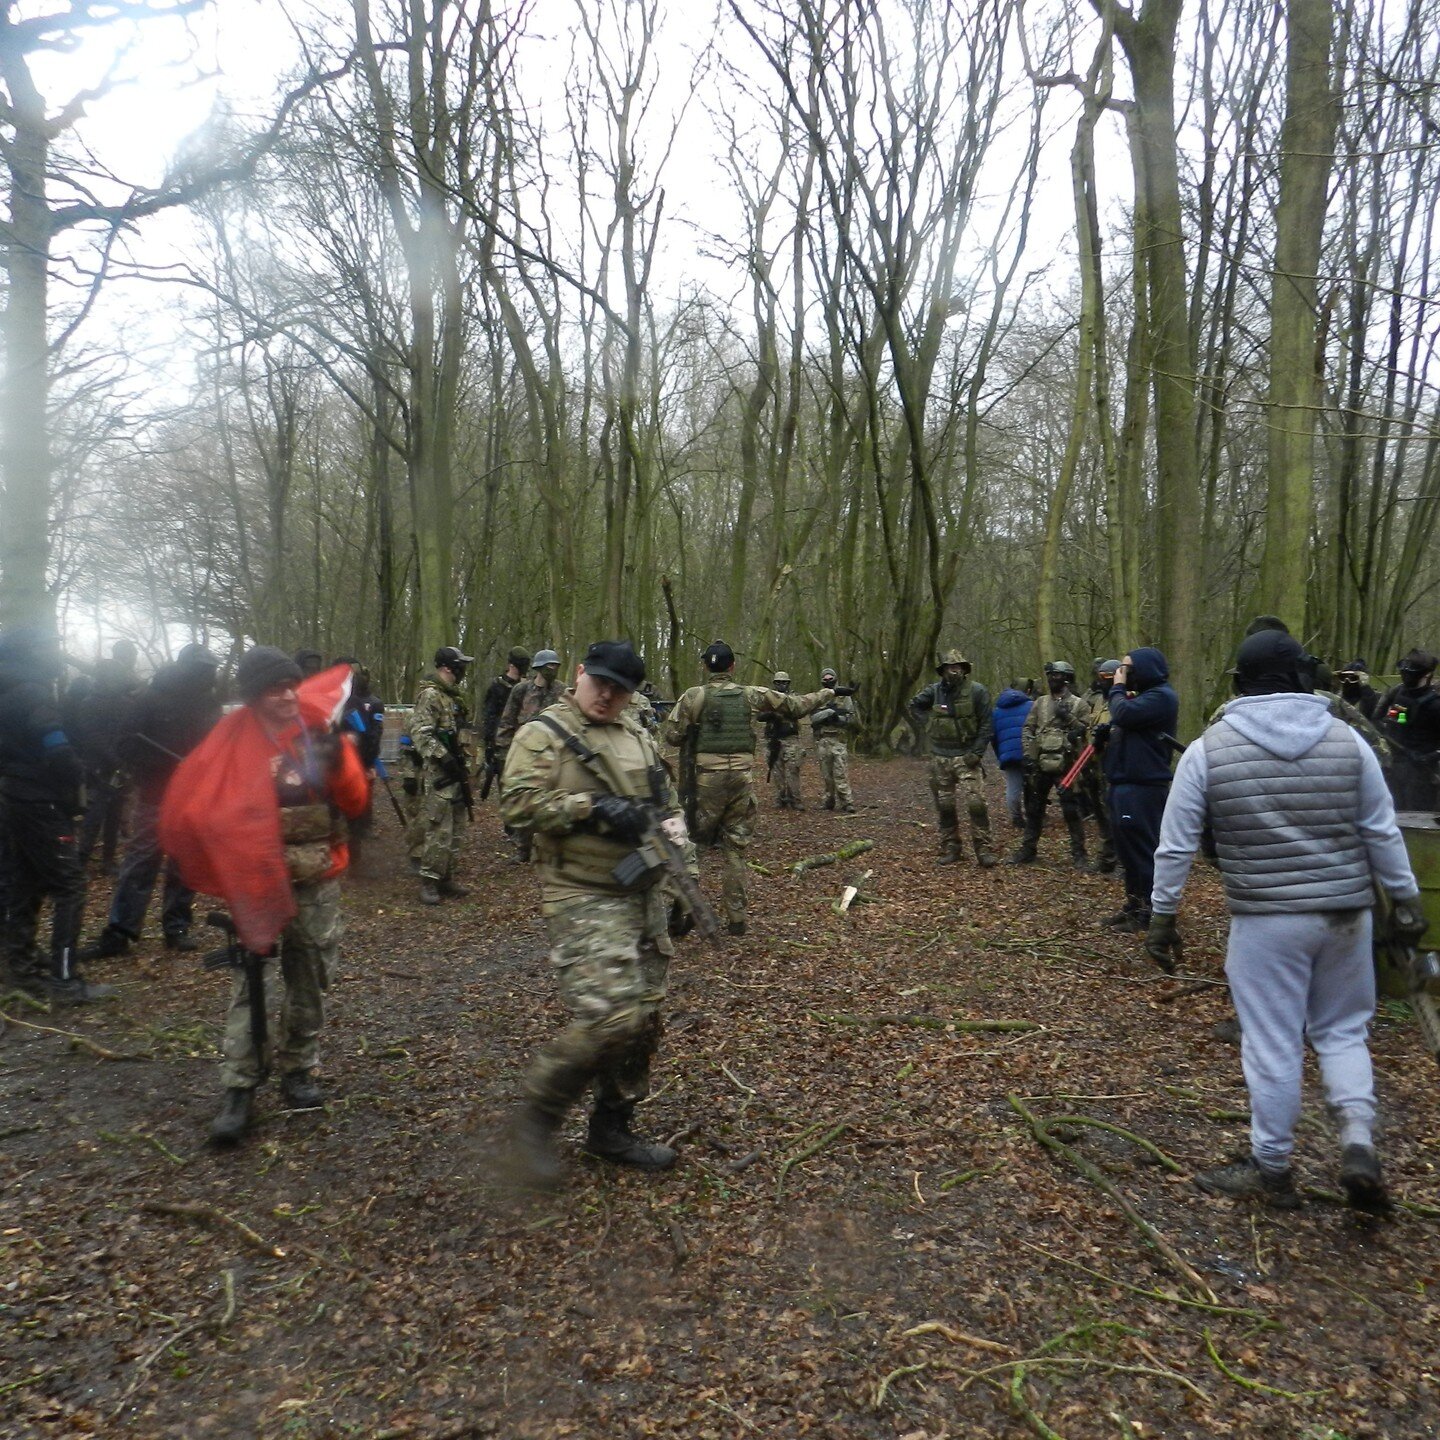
300,1090
829,802
611,1138
451,891
532,1160
984,855
234,1117
109,943
429,892
1025,855
74,991
737,927
181,940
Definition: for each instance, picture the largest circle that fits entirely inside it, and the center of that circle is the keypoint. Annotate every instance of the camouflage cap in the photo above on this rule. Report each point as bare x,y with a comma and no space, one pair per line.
952,657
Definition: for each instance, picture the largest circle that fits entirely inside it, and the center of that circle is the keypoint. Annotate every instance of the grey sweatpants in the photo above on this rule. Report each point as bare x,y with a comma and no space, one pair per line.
1292,977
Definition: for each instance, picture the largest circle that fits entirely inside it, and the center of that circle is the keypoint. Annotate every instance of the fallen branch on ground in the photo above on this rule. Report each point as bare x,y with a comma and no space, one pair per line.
209,1215
1255,1385
215,1326
75,1040
1148,1232
845,852
882,1389
958,1337
1153,1150
814,1148
851,893
929,1022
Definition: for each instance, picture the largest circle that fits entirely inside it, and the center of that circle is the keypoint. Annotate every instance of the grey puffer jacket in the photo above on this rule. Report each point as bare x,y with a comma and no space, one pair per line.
1283,791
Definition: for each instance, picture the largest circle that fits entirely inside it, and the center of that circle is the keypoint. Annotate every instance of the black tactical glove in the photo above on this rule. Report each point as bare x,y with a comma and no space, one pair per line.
618,817
846,689
682,922
1407,922
452,770
1162,942
1100,735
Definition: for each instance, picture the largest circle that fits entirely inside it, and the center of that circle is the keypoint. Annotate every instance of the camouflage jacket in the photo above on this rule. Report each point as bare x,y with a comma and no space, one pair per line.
527,700
1068,715
437,720
762,702
833,719
550,791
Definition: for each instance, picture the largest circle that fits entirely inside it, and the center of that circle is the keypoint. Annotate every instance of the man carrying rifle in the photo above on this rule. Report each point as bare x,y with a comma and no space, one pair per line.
446,802
784,754
1052,740
592,788
496,695
829,725
1304,829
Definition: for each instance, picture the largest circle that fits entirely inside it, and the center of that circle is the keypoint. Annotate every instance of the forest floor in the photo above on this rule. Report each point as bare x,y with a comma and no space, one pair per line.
864,1235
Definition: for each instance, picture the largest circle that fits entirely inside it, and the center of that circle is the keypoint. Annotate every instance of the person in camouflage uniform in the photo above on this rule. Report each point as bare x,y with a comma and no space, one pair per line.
583,779
435,725
783,751
961,727
828,725
526,701
715,721
1054,736
1092,778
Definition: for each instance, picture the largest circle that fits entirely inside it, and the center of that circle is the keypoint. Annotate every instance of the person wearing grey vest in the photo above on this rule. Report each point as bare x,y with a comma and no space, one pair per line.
1304,830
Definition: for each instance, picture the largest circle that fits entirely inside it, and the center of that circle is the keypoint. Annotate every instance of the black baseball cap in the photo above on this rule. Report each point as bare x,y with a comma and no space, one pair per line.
615,660
719,656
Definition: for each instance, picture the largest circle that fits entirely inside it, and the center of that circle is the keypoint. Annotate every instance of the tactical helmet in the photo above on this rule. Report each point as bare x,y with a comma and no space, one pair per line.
1060,667
544,658
779,678
1107,667
451,657
951,657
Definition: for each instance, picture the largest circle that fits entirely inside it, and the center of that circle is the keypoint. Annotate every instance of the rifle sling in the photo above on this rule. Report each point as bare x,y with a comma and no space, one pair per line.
590,759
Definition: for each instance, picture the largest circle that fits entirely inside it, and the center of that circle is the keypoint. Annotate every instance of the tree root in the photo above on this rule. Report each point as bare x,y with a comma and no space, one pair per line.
1148,1232
1082,1362
139,1137
966,1176
76,1041
1255,1385
1411,1207
845,852
814,1148
929,1022
215,1326
209,1215
883,1388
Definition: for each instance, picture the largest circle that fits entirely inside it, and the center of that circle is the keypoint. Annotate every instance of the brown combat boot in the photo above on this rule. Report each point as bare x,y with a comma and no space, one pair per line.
984,856
532,1159
429,893
950,851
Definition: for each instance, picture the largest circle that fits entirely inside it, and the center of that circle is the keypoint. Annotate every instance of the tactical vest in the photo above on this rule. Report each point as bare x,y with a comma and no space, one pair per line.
953,726
582,857
725,727
832,727
1285,831
1055,750
309,825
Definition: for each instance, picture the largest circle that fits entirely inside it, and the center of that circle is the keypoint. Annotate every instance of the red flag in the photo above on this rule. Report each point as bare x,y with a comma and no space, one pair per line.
220,818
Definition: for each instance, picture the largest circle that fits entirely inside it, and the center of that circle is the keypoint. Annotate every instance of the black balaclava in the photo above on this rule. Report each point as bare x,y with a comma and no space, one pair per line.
1270,663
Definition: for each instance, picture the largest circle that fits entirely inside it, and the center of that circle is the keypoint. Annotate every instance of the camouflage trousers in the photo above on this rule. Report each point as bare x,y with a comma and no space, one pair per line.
439,831
950,774
785,777
610,954
834,757
308,948
725,817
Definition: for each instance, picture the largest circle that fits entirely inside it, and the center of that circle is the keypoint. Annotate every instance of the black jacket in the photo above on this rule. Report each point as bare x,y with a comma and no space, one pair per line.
97,714
1410,719
38,764
1135,754
168,720
364,717
493,708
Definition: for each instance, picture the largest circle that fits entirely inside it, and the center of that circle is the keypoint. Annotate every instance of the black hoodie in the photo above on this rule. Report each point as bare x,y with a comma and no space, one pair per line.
169,719
1141,712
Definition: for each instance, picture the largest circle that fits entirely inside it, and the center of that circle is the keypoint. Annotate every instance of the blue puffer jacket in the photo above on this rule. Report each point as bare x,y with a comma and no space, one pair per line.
1011,708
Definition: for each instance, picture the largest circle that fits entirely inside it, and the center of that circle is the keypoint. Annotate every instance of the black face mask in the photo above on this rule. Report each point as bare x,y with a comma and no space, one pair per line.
1057,683
1413,679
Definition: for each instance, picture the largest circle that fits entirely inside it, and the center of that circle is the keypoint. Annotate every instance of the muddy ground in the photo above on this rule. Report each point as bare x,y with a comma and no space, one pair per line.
863,1237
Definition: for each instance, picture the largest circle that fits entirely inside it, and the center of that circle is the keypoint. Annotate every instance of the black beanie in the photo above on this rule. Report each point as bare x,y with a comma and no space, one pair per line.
1270,662
262,667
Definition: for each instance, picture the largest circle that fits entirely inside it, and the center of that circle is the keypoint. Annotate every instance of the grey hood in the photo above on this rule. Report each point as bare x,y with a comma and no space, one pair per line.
1286,725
